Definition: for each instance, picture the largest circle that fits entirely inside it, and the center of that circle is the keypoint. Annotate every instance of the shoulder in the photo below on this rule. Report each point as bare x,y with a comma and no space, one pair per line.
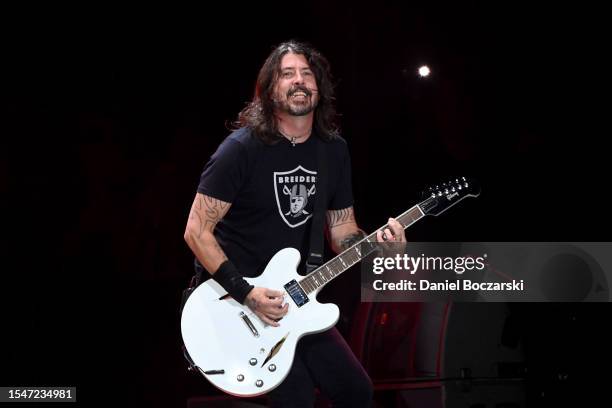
337,146
245,138
240,141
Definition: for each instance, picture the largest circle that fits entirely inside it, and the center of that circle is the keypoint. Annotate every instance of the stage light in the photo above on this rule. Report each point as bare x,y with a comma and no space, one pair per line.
424,71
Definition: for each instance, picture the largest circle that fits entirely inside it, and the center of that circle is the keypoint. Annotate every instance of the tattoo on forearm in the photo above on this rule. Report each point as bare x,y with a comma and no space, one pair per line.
352,239
196,214
207,211
336,218
215,209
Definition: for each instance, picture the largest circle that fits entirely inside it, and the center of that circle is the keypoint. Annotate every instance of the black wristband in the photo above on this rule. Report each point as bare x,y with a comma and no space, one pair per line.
230,279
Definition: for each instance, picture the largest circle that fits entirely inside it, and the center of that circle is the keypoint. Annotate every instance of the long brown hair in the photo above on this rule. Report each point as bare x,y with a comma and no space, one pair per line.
259,113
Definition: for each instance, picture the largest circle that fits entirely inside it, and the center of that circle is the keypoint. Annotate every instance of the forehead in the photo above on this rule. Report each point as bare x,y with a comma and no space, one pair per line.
295,61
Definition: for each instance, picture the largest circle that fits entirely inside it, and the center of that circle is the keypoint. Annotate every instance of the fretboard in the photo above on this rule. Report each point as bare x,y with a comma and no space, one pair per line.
351,256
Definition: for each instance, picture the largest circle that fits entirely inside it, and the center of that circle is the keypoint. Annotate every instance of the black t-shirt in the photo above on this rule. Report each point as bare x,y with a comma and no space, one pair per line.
272,191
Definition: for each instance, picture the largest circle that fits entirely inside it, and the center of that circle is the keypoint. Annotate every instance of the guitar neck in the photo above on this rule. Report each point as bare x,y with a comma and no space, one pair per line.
351,256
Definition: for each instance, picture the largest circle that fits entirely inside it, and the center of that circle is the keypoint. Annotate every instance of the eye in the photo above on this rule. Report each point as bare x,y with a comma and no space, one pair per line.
287,74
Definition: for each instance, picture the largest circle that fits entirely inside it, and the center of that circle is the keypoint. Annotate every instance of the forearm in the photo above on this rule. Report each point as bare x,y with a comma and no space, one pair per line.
347,239
206,249
344,232
342,229
205,213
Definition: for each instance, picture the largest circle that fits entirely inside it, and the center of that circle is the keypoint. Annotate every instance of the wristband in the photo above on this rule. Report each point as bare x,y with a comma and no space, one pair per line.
230,279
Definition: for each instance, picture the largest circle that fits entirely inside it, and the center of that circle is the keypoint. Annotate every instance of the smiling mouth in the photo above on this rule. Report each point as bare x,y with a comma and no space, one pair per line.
299,91
299,97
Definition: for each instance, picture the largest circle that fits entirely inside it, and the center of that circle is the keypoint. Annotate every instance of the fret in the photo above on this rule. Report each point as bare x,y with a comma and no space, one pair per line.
312,283
308,285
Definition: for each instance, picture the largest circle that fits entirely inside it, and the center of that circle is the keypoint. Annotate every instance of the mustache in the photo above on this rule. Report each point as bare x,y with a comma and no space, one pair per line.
298,88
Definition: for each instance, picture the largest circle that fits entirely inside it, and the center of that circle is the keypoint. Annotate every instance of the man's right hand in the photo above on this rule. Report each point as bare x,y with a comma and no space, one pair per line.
267,304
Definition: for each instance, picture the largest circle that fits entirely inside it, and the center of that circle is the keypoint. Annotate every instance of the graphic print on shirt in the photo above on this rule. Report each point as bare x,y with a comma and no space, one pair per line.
295,190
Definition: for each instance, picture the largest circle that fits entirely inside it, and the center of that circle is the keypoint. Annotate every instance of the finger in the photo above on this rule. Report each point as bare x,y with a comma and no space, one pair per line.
267,320
390,236
398,230
379,236
274,314
274,302
272,309
395,226
273,293
278,313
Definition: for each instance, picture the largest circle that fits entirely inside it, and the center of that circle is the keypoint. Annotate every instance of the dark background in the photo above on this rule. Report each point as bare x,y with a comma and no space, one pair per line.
110,113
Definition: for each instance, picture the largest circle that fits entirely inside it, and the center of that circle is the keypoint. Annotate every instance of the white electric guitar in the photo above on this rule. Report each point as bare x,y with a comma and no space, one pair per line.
243,356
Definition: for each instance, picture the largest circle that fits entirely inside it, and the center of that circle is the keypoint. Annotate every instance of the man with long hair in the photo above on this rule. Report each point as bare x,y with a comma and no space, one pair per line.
256,196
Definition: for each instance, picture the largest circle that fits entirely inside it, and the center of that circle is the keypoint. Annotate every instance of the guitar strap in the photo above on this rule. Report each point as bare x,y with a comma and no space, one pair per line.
315,257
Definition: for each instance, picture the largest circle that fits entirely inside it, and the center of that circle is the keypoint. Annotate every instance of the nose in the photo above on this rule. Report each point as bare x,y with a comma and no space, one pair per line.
298,78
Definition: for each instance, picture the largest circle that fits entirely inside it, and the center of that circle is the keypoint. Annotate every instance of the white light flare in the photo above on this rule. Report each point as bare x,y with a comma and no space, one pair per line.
424,71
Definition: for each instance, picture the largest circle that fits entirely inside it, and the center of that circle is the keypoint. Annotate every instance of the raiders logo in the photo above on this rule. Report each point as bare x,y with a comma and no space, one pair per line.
294,192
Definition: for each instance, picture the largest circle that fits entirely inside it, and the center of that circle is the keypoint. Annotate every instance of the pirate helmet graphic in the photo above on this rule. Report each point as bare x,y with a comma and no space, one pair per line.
294,190
298,198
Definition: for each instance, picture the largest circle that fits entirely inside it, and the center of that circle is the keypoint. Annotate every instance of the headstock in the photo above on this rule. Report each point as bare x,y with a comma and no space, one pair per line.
440,197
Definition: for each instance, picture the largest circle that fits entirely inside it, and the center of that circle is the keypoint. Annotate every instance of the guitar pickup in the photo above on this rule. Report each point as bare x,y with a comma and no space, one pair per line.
296,293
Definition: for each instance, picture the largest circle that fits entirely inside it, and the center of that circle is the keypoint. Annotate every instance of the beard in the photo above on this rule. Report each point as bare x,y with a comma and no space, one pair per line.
300,107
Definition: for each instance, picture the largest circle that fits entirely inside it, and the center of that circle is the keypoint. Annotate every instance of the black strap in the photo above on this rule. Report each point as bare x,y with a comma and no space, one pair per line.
315,258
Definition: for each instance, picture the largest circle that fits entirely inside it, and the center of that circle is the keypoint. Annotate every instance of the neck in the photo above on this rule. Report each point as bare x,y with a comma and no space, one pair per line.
298,128
343,261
